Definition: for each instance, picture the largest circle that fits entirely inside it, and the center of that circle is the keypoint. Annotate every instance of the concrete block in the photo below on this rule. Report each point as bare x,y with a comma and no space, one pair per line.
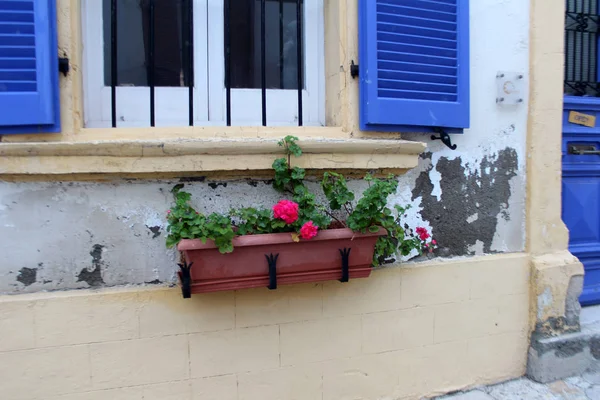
181,390
236,350
500,277
16,325
42,373
165,312
93,318
320,340
222,387
562,356
381,292
430,285
496,358
130,393
288,303
294,383
481,317
139,362
397,330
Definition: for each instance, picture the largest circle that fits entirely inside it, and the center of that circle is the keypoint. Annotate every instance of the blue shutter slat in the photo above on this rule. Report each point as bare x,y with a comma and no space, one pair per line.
412,76
411,39
418,12
15,39
423,4
17,63
417,86
414,64
16,5
18,86
18,51
416,30
16,16
414,67
17,75
416,58
17,28
28,66
415,49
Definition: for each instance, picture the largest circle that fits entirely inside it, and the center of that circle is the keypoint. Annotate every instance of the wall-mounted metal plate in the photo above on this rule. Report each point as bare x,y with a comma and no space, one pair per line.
510,88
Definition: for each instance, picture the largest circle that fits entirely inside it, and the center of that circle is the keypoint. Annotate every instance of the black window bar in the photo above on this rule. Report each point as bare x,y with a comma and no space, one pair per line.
187,37
581,48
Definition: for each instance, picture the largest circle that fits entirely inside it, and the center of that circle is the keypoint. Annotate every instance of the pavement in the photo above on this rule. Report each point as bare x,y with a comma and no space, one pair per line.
582,387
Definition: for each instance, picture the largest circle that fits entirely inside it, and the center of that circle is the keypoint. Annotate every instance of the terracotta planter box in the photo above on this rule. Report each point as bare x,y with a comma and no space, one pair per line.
275,259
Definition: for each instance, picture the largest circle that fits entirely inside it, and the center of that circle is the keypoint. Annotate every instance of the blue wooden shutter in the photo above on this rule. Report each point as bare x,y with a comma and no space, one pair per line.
414,64
28,67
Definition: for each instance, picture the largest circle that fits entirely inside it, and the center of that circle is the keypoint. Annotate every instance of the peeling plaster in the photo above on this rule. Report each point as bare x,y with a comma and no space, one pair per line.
464,218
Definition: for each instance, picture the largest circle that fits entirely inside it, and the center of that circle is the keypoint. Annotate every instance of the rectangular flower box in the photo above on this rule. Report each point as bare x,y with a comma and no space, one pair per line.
275,259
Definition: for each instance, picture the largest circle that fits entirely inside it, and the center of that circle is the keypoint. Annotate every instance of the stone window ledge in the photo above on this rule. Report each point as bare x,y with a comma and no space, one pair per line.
196,155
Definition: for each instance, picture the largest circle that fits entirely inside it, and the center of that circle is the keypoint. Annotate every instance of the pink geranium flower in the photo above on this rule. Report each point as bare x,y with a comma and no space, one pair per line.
286,210
308,230
423,234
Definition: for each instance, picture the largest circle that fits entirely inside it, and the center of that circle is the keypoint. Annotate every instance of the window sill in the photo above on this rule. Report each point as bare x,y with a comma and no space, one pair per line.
184,156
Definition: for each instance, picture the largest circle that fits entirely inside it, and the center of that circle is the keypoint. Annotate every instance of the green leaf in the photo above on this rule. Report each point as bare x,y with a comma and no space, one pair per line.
374,229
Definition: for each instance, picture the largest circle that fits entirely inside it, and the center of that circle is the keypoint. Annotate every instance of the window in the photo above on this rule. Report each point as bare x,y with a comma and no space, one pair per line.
581,48
172,45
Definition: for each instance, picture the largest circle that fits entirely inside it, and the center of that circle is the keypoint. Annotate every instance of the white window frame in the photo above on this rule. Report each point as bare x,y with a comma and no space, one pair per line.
171,103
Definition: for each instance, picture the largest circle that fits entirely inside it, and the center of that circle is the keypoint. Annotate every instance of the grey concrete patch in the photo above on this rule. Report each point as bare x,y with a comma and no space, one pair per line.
464,194
559,357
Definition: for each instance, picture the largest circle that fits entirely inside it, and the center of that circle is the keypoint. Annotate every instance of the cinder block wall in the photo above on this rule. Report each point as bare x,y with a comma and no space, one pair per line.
403,333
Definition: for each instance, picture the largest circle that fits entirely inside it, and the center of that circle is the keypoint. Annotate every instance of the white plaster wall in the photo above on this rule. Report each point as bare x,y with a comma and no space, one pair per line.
49,229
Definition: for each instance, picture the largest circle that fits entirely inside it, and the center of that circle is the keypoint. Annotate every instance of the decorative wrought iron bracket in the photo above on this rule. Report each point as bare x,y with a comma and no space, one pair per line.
272,261
444,137
345,264
353,69
186,279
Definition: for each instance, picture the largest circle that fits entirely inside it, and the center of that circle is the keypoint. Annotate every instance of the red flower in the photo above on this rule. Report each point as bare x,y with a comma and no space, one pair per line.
308,230
286,210
423,234
434,242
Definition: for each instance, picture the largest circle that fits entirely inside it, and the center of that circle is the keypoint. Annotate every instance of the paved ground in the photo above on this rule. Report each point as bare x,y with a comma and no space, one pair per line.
584,387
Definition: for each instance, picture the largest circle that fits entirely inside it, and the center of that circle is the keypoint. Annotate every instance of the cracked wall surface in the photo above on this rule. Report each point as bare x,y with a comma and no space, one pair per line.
68,235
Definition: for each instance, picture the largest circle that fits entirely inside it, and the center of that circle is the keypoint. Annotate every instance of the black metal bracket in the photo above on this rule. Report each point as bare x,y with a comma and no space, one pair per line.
272,261
353,69
63,65
444,137
345,264
186,279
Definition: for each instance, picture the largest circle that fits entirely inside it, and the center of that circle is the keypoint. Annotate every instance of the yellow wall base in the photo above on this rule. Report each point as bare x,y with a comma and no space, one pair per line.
403,333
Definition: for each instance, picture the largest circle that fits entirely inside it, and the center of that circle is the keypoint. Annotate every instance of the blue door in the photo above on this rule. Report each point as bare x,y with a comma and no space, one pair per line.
581,140
581,189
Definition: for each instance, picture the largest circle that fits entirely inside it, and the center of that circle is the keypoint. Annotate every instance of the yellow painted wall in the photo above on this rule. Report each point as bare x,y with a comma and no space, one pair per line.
403,333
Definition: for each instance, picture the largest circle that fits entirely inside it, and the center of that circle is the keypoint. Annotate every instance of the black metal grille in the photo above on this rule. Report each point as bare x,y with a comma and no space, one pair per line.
151,14
581,48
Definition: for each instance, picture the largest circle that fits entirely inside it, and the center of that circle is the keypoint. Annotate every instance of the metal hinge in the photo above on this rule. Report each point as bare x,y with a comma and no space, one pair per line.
353,70
63,65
